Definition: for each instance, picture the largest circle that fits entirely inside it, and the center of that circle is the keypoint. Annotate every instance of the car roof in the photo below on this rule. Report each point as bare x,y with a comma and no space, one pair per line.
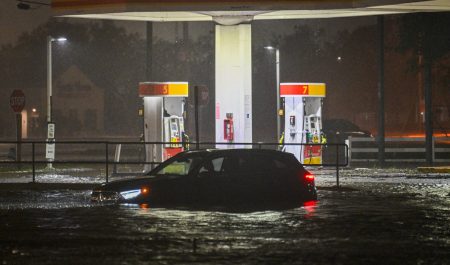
237,151
207,153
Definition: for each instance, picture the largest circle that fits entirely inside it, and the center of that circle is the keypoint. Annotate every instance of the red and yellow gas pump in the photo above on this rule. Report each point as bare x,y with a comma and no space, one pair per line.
163,118
303,120
173,134
312,154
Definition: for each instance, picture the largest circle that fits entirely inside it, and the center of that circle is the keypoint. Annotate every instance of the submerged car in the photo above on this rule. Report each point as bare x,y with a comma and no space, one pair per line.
229,177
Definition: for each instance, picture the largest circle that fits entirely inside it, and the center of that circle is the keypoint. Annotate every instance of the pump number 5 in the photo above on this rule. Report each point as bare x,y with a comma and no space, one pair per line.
165,90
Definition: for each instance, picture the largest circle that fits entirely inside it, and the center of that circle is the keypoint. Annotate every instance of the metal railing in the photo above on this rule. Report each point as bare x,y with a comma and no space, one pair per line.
407,149
102,155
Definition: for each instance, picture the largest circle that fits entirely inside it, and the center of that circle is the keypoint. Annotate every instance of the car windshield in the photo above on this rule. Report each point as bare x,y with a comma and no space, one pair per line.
181,166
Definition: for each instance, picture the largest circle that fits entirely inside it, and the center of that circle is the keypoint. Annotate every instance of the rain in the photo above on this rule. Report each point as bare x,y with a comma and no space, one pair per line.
383,196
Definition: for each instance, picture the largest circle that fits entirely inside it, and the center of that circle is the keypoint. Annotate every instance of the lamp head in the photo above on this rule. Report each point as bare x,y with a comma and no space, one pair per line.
59,39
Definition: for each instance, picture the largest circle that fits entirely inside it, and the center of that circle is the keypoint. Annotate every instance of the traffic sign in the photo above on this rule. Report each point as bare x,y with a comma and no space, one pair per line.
17,100
51,130
50,151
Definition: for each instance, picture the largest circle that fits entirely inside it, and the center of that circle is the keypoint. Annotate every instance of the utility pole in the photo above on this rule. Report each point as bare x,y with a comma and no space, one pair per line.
381,111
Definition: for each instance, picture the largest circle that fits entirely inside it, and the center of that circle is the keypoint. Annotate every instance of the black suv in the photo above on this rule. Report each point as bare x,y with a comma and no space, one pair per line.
227,177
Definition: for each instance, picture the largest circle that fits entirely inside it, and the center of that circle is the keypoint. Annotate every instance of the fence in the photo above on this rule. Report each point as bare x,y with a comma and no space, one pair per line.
398,149
101,152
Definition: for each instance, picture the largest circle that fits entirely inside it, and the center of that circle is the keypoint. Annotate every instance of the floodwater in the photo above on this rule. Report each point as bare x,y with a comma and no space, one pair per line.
374,220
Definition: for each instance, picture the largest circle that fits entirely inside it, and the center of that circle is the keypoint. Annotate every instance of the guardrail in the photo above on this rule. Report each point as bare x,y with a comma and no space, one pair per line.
398,149
104,153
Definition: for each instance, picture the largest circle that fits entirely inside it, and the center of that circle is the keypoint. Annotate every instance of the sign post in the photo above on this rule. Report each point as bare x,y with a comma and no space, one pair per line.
50,146
17,103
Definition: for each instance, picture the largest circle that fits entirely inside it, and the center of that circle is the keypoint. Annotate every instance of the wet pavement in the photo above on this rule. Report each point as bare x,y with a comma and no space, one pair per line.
378,217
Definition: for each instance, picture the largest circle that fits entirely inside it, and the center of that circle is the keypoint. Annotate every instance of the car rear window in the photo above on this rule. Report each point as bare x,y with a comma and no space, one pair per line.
264,163
249,164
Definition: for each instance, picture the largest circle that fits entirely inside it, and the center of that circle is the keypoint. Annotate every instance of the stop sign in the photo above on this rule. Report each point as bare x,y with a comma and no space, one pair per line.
17,100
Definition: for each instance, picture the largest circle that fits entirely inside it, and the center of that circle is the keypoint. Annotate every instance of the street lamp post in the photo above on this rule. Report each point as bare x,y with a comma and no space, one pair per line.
277,64
50,136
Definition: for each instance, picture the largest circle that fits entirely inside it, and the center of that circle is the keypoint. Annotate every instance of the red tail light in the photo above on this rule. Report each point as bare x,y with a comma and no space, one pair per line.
310,203
309,177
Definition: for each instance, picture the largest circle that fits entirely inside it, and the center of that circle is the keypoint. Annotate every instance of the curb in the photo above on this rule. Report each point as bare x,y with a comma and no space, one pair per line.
47,186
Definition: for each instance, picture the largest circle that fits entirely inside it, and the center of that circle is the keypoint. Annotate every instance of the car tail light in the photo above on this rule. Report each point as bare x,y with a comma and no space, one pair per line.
309,177
306,177
310,203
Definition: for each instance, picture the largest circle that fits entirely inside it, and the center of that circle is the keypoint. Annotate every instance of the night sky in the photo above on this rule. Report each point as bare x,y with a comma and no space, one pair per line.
14,21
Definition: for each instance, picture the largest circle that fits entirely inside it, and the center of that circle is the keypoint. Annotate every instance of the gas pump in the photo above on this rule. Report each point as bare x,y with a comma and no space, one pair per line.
173,135
163,118
313,125
311,153
303,122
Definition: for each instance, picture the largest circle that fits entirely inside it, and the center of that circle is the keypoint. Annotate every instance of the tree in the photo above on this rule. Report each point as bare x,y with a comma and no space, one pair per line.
191,61
111,57
427,35
348,67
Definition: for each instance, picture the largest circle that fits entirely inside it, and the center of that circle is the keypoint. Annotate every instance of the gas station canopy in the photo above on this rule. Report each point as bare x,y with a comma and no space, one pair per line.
234,12
233,53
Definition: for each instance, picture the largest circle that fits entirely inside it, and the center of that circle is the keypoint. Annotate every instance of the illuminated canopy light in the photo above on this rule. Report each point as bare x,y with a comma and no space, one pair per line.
230,13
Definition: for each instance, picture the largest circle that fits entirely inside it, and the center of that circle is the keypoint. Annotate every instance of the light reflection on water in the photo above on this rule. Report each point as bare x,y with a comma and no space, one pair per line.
394,222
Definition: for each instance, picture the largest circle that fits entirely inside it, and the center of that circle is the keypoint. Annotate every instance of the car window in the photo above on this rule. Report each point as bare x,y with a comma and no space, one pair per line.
182,166
264,164
217,164
212,165
255,164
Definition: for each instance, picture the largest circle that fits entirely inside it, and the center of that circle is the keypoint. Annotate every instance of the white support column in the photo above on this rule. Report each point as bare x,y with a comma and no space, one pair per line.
234,80
293,134
153,128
